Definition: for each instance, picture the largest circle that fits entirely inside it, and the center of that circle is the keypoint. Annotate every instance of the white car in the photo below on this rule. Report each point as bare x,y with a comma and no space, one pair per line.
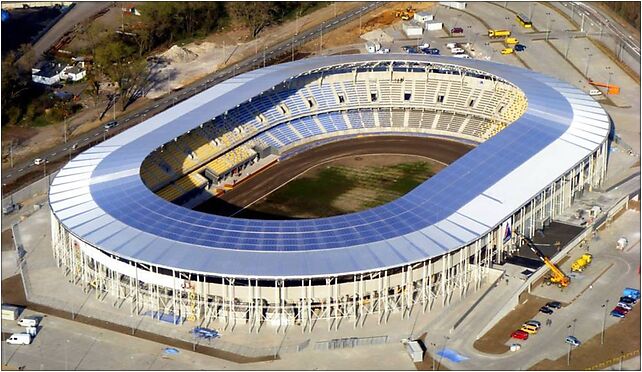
39,161
466,56
624,305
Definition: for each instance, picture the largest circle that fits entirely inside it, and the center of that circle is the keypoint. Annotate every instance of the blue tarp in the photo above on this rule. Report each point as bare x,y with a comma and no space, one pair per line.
451,355
167,318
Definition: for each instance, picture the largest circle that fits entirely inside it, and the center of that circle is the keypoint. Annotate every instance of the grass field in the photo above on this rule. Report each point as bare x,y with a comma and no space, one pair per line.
344,186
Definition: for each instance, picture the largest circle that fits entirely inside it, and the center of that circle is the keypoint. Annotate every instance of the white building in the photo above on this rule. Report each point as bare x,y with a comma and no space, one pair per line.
454,4
422,17
47,73
433,26
412,29
74,73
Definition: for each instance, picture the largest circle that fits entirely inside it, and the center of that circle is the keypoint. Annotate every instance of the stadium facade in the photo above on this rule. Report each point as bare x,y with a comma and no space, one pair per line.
120,228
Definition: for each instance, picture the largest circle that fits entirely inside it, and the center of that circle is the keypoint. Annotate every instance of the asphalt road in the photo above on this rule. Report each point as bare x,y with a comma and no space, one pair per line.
258,60
255,188
594,14
79,12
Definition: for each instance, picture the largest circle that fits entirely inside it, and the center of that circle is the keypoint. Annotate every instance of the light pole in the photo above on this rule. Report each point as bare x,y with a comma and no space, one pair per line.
530,11
588,61
66,364
568,355
11,153
604,305
608,69
321,40
548,21
568,46
621,358
550,29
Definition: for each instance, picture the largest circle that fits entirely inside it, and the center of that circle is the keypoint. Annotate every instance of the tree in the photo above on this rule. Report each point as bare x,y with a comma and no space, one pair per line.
256,15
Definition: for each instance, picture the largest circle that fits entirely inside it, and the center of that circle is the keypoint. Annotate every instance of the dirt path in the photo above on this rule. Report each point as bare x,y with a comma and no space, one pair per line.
493,342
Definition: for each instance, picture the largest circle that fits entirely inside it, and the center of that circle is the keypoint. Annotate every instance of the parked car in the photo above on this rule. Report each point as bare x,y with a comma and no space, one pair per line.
617,314
545,310
572,340
456,30
627,300
521,335
433,51
519,47
529,329
534,323
554,305
624,305
38,161
111,124
10,208
621,310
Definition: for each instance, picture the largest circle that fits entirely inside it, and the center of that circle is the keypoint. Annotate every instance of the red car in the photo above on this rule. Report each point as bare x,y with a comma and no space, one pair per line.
456,30
519,334
621,310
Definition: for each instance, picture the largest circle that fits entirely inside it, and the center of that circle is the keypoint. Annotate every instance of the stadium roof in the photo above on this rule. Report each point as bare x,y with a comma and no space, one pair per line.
100,198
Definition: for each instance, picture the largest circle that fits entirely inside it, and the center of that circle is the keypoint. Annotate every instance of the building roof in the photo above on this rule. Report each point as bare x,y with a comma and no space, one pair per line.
49,69
100,198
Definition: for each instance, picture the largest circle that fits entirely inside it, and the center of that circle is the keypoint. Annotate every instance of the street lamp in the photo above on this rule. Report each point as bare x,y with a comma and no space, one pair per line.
530,11
548,20
588,61
604,305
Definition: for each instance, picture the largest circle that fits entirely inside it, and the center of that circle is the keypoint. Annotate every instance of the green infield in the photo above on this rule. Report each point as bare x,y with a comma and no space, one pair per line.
344,186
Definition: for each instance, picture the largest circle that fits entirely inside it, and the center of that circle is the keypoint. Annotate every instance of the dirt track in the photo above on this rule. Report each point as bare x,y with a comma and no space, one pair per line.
438,149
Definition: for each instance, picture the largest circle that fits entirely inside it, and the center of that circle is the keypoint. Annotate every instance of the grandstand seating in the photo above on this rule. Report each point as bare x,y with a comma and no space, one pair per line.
447,102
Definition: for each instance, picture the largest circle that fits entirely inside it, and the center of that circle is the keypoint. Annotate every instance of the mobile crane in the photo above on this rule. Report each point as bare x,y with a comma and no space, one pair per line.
557,276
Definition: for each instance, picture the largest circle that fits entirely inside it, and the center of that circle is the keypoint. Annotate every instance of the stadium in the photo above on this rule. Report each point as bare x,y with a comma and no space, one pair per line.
123,224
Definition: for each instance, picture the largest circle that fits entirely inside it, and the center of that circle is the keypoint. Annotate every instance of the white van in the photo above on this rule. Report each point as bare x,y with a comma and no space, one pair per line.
451,45
28,322
594,92
457,51
19,339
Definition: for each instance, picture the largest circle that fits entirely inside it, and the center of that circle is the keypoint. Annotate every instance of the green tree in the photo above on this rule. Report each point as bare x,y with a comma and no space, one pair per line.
256,15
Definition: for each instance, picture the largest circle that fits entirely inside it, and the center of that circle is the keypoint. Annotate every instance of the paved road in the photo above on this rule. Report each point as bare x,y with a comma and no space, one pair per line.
255,188
78,13
594,14
135,117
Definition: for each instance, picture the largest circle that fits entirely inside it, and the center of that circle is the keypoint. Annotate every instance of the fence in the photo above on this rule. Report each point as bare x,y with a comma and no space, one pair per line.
38,187
350,342
612,361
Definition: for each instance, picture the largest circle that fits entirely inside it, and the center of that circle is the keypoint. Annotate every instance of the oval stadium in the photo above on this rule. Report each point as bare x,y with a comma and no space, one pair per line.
123,213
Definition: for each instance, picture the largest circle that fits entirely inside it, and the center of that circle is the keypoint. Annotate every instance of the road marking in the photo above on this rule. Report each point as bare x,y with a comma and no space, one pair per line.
9,175
20,170
96,134
53,154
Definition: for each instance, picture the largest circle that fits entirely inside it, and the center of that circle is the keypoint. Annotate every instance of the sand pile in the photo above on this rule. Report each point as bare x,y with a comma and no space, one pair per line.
176,54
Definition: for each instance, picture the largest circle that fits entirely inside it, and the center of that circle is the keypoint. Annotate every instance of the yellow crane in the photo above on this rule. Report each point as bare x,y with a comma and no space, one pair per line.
557,276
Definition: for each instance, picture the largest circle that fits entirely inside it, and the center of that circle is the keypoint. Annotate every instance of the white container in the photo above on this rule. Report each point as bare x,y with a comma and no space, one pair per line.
10,312
412,29
415,351
423,17
433,26
19,339
454,4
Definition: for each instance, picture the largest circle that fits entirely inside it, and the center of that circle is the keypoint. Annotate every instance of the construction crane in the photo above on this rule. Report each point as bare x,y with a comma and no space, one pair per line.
557,276
611,89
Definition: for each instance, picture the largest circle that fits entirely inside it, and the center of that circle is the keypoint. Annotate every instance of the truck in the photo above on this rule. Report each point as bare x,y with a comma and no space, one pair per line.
581,263
631,292
498,33
511,40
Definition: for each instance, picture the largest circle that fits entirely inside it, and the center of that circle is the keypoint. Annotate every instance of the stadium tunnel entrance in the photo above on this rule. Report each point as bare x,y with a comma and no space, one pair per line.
238,201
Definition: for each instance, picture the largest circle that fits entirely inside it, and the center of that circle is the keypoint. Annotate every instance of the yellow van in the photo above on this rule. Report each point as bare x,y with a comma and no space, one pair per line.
530,329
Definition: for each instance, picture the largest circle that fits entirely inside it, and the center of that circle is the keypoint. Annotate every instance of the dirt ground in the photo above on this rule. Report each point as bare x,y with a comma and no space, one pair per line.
623,338
350,33
7,240
493,342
